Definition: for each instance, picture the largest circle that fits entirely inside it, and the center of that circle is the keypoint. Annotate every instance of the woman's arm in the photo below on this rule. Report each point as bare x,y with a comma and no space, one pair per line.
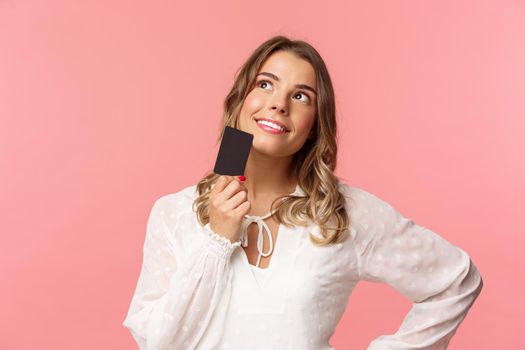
438,277
175,296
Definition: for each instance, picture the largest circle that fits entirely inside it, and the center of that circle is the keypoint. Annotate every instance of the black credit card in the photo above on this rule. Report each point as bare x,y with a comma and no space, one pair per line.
233,152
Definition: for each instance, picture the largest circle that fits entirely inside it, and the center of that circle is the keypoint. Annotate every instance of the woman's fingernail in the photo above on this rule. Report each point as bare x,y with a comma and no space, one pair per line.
242,178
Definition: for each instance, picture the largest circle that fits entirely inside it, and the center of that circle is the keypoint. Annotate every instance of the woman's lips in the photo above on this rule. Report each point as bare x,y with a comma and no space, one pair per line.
269,129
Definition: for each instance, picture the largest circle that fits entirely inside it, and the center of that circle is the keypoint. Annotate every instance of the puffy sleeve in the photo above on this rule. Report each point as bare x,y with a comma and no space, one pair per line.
439,278
177,292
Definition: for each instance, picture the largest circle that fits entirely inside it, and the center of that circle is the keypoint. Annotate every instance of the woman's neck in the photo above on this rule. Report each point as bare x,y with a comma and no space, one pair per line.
268,177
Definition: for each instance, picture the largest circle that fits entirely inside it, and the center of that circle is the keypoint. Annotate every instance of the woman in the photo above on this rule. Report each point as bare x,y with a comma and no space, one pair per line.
269,263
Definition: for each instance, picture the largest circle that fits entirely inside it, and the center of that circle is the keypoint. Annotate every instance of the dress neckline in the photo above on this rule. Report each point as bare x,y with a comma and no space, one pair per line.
263,229
255,268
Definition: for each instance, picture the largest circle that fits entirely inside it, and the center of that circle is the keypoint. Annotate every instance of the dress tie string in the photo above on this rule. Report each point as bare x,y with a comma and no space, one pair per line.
249,219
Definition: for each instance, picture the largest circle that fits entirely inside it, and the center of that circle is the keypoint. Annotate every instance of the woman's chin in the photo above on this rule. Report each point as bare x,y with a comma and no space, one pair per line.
267,149
272,150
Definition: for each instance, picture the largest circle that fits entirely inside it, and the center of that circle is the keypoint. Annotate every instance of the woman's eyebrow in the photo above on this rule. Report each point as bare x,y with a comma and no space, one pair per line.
300,86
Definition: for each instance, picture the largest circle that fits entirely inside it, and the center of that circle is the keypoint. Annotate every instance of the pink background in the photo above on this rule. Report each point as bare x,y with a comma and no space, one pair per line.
107,105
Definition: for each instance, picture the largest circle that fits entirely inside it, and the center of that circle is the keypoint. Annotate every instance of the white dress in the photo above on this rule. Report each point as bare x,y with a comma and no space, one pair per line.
197,290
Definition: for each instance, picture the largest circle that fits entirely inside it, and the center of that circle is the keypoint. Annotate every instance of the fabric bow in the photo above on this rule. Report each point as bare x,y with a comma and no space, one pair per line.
249,219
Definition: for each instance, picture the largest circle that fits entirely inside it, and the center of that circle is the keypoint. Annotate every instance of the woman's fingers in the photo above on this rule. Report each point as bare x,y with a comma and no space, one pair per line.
236,200
231,188
220,184
227,206
242,209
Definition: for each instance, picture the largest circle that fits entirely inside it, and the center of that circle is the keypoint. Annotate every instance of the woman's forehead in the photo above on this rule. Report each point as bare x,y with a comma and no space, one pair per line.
285,66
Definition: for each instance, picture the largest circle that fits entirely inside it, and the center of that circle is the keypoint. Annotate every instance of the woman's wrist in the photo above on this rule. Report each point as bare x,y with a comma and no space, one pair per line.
220,245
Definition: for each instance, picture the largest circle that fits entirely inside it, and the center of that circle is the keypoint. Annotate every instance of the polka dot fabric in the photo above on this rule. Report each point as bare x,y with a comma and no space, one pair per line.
438,277
196,290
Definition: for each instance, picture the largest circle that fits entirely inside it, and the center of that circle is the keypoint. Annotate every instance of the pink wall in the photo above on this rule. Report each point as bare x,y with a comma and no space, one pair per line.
106,105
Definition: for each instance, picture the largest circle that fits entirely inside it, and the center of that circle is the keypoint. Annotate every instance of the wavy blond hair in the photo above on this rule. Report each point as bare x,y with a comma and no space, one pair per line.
313,164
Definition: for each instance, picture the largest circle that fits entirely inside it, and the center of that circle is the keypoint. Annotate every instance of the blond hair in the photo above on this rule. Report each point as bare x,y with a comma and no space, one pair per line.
313,164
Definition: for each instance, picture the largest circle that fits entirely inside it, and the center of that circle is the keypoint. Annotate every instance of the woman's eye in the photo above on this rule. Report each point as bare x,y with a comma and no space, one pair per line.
263,82
267,83
302,93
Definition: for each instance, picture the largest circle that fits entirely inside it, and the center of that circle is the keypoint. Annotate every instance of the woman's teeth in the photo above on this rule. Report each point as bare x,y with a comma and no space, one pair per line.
270,124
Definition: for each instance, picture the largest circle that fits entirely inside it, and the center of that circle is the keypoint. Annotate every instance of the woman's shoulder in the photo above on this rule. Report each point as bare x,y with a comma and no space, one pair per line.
177,201
351,191
360,199
173,214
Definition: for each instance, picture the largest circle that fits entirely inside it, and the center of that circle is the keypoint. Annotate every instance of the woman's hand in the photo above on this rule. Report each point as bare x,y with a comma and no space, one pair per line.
227,206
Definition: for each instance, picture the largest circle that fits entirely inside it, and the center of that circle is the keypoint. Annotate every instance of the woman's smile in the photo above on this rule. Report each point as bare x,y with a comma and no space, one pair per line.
271,127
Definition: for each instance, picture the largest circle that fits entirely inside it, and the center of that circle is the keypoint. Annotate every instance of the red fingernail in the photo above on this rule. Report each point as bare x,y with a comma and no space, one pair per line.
242,178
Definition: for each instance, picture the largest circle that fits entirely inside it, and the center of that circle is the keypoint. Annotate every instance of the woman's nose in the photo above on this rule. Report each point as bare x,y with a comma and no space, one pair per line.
280,106
281,109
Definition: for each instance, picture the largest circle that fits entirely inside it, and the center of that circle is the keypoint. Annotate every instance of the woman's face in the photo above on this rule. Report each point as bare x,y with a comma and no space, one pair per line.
283,93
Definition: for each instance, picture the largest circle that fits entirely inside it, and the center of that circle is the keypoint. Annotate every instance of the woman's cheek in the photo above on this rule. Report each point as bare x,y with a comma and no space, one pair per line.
253,102
304,125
